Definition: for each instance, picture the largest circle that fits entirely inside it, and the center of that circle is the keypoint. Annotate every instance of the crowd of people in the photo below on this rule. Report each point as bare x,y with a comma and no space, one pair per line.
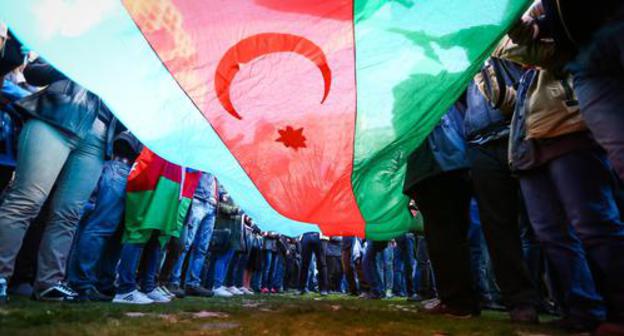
518,188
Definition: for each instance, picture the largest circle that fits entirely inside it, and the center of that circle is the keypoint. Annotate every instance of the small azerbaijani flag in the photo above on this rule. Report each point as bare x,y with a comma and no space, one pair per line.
159,195
305,110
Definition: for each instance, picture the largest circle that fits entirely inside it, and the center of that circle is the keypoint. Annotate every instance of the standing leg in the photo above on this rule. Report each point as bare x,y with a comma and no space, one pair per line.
444,201
585,188
562,247
94,246
320,251
73,188
199,251
306,256
497,195
42,153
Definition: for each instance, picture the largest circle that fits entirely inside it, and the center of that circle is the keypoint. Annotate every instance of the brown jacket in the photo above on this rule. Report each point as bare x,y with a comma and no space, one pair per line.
552,107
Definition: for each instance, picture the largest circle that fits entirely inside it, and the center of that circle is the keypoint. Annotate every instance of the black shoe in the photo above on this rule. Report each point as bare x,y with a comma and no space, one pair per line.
574,325
93,295
198,291
524,314
57,293
3,291
177,291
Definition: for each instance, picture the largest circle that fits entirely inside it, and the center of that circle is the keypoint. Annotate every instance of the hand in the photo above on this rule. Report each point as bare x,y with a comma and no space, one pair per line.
524,32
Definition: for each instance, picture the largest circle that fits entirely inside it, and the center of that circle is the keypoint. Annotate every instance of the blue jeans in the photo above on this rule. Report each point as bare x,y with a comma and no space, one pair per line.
311,245
129,263
277,281
268,267
384,268
96,250
404,265
570,201
217,270
48,157
198,232
236,270
369,265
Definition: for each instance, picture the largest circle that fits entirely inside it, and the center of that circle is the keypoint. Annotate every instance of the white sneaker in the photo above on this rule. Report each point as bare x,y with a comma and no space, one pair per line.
158,297
166,292
234,290
222,292
134,297
246,291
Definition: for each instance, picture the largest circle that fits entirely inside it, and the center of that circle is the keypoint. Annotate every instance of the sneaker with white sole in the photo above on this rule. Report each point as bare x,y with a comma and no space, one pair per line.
157,296
246,291
134,297
234,290
57,293
222,292
166,292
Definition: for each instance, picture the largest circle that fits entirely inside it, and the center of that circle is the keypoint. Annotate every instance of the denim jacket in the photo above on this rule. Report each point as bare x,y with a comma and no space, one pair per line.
487,120
444,150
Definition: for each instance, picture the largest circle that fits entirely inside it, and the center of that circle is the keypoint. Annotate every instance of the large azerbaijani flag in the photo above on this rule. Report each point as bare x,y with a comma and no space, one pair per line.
306,110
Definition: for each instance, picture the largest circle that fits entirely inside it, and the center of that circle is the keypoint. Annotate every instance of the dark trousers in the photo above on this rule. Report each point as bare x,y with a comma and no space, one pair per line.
236,269
335,273
424,272
268,268
293,264
498,197
311,243
347,264
174,249
444,201
405,254
571,204
369,264
598,84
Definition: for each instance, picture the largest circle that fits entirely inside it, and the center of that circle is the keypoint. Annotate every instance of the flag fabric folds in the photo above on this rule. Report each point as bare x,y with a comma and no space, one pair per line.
305,110
159,195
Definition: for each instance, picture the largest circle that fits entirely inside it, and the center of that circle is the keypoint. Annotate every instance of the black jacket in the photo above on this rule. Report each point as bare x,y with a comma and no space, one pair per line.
11,56
573,22
65,104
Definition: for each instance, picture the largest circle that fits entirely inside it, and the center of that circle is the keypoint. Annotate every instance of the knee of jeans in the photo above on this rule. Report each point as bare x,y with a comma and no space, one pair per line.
68,216
26,205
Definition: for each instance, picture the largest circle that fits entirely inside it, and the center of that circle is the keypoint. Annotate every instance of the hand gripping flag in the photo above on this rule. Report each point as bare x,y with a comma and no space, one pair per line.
305,110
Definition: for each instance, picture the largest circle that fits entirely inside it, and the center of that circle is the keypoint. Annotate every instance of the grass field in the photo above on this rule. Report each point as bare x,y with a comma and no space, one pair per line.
252,315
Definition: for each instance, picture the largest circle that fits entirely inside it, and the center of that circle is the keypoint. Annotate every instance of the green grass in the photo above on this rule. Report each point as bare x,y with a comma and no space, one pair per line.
257,315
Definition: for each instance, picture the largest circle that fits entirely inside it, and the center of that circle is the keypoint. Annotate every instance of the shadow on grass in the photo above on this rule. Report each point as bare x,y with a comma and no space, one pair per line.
254,315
